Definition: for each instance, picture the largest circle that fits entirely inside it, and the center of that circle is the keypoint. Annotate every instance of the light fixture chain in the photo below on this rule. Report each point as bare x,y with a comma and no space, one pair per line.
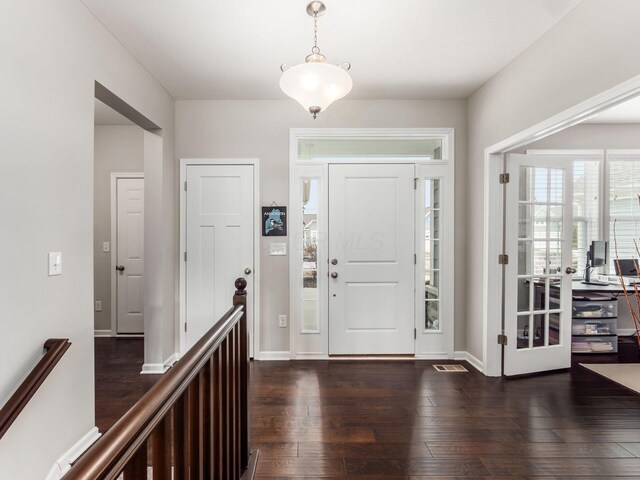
315,48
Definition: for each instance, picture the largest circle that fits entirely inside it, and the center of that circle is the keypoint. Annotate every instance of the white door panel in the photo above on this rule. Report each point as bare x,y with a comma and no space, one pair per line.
130,255
371,239
539,224
219,239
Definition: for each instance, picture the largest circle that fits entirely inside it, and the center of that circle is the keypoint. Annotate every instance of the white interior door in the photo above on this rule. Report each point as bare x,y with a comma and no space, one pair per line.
539,224
371,251
219,239
130,255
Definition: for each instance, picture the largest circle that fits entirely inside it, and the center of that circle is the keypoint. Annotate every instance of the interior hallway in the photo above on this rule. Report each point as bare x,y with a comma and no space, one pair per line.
350,419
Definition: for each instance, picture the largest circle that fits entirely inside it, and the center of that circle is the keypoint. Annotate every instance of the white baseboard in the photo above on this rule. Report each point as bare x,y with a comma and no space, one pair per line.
102,333
154,369
268,356
475,363
171,360
63,464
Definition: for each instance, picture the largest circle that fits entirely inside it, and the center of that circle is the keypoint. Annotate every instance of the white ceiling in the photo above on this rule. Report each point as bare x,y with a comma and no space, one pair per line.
627,112
232,49
104,115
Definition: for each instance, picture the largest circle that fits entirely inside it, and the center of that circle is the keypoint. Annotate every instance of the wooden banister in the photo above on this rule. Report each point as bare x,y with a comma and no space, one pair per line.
55,349
193,423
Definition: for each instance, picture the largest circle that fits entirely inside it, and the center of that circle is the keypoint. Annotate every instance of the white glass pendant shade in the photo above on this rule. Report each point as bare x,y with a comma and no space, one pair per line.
315,85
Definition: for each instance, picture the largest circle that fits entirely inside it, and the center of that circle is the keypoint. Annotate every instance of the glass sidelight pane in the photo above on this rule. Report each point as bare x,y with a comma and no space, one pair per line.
540,228
554,328
526,184
524,257
432,315
310,296
540,258
432,236
525,222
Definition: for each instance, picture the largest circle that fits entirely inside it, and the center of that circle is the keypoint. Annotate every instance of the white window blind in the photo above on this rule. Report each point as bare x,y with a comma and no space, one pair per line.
624,207
586,210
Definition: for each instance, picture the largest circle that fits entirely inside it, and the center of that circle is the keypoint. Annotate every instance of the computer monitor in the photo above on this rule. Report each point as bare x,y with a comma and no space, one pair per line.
626,267
598,254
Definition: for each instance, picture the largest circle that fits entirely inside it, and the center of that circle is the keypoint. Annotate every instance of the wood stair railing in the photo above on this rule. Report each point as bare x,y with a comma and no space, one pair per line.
193,423
55,349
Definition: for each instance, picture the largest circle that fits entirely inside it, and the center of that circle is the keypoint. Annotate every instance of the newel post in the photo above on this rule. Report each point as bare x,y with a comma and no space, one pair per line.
240,298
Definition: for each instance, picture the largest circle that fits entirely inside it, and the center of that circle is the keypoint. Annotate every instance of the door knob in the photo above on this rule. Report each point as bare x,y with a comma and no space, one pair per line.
334,274
334,261
570,270
120,268
247,271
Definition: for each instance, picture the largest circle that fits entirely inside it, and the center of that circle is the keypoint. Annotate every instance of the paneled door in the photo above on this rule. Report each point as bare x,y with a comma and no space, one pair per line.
538,276
371,259
219,243
130,255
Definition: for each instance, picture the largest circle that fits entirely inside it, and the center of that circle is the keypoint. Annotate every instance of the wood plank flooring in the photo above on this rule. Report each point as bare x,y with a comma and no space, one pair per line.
404,420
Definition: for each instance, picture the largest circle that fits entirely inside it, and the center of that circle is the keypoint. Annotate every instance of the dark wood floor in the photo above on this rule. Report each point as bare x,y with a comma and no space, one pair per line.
356,419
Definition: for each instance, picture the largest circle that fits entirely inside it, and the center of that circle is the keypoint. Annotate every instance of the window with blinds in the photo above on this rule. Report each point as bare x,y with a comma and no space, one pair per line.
624,208
586,210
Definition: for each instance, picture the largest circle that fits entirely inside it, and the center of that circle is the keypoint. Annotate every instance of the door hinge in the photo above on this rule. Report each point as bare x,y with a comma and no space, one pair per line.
415,259
185,256
185,185
415,183
503,259
502,339
185,326
415,333
504,178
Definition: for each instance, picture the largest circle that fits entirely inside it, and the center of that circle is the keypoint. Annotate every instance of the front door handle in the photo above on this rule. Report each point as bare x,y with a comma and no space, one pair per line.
120,268
334,274
570,270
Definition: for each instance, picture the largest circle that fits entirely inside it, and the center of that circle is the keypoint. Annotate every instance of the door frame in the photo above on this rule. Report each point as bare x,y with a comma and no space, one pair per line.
182,312
115,176
494,158
448,161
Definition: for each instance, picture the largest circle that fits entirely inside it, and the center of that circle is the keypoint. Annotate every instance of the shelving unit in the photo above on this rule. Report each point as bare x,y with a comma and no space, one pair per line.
594,326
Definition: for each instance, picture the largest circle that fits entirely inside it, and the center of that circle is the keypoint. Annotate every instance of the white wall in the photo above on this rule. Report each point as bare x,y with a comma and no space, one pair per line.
261,129
590,50
52,51
117,148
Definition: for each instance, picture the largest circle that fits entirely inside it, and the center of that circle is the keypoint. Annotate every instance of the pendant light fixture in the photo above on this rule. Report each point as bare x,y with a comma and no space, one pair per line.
316,84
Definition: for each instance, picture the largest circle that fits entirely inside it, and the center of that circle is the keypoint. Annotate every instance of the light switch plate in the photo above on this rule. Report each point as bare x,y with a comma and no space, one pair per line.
277,249
282,321
106,246
98,305
55,263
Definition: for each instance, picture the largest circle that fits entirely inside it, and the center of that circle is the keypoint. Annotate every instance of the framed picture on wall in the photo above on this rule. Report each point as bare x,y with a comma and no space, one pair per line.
274,221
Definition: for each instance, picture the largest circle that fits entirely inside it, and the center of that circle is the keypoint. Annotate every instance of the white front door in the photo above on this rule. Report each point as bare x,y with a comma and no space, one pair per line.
130,255
219,238
539,224
371,252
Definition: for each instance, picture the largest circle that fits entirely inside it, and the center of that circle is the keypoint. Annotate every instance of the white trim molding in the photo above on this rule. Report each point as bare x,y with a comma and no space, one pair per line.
275,355
63,464
467,357
115,176
492,316
102,333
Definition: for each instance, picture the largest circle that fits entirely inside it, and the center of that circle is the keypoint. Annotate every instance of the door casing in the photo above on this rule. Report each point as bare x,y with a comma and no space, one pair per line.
254,347
114,245
315,350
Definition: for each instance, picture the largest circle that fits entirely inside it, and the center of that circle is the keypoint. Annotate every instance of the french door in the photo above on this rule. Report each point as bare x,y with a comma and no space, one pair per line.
371,259
538,275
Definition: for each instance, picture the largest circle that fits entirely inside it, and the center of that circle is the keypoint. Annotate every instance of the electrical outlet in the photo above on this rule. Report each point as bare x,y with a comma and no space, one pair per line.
98,305
282,321
106,246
